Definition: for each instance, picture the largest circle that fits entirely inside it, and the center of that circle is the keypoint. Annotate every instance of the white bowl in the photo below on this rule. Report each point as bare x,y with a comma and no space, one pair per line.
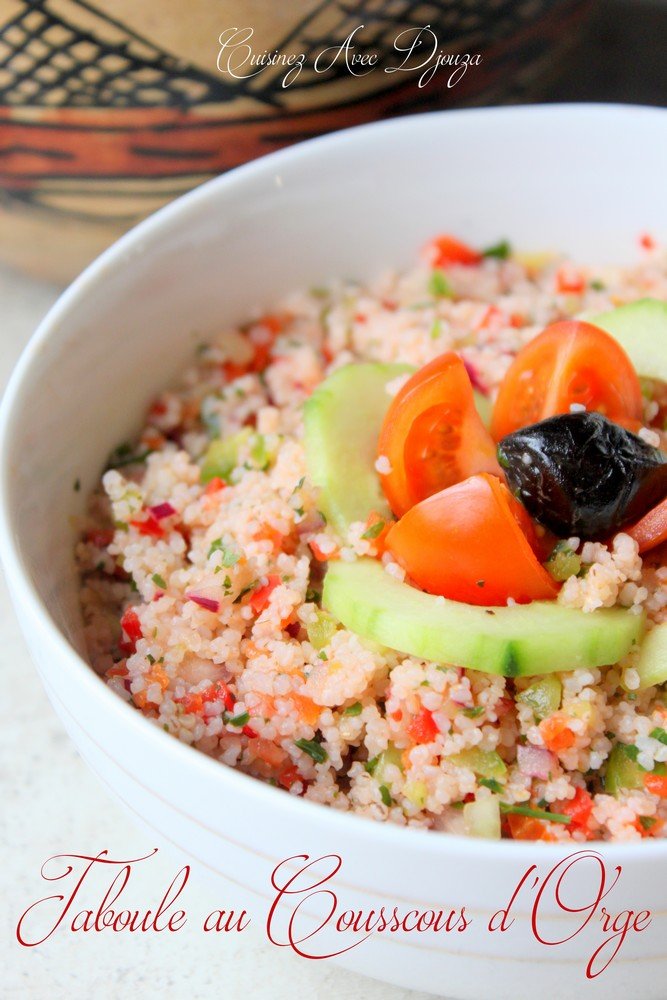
585,179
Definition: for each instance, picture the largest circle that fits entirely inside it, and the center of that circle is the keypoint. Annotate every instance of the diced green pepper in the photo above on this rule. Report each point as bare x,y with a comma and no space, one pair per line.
563,562
416,793
388,757
486,763
222,456
543,696
321,631
259,453
624,772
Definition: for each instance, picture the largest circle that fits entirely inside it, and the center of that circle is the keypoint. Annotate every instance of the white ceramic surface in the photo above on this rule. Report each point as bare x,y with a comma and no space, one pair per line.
584,179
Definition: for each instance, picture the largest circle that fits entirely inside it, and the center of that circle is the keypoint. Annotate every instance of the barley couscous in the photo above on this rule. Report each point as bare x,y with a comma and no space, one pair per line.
206,550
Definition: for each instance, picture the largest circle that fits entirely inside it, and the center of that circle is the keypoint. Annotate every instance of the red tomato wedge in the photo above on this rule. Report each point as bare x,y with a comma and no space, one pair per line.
569,362
651,529
432,435
444,251
472,542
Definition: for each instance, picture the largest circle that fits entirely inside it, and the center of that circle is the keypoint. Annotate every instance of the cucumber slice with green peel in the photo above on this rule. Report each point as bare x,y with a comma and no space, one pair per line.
343,418
652,662
529,639
641,329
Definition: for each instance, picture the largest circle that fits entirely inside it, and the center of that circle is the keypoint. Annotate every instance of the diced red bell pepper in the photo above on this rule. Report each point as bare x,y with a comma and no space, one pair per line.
569,281
422,729
193,703
579,809
131,627
446,250
260,597
148,526
214,486
656,784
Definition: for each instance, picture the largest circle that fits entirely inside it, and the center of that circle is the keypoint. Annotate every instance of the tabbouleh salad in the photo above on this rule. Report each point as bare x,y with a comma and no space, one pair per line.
399,548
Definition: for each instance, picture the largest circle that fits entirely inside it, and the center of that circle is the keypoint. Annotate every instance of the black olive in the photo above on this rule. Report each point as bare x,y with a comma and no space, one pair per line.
580,474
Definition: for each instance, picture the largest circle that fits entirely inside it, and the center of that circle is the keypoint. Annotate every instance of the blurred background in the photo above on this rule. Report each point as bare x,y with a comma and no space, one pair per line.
110,109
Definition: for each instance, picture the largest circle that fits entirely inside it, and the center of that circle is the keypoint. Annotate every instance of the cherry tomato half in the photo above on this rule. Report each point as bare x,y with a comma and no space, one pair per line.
569,362
444,251
472,542
432,435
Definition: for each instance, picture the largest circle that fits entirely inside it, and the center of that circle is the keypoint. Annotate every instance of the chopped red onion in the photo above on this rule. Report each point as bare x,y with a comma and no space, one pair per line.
535,762
204,602
475,380
162,510
312,522
462,698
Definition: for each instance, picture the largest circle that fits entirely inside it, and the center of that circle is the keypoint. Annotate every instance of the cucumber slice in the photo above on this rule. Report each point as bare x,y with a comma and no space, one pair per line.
652,663
641,329
343,418
537,638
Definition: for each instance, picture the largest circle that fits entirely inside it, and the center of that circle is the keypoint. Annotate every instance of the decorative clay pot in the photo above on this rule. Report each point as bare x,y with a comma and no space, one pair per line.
110,109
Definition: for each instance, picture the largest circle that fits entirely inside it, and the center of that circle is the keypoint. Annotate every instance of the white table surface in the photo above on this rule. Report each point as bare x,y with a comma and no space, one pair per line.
51,803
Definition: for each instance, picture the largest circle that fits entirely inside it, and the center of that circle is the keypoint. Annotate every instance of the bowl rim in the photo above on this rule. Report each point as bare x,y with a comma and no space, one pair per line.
36,613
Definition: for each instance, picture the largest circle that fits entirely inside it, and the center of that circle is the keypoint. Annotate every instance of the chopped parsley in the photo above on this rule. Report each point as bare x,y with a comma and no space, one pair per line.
125,455
597,285
473,713
506,807
436,330
647,822
246,590
313,749
501,250
353,709
491,784
159,581
385,795
371,764
438,285
239,720
659,734
230,554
